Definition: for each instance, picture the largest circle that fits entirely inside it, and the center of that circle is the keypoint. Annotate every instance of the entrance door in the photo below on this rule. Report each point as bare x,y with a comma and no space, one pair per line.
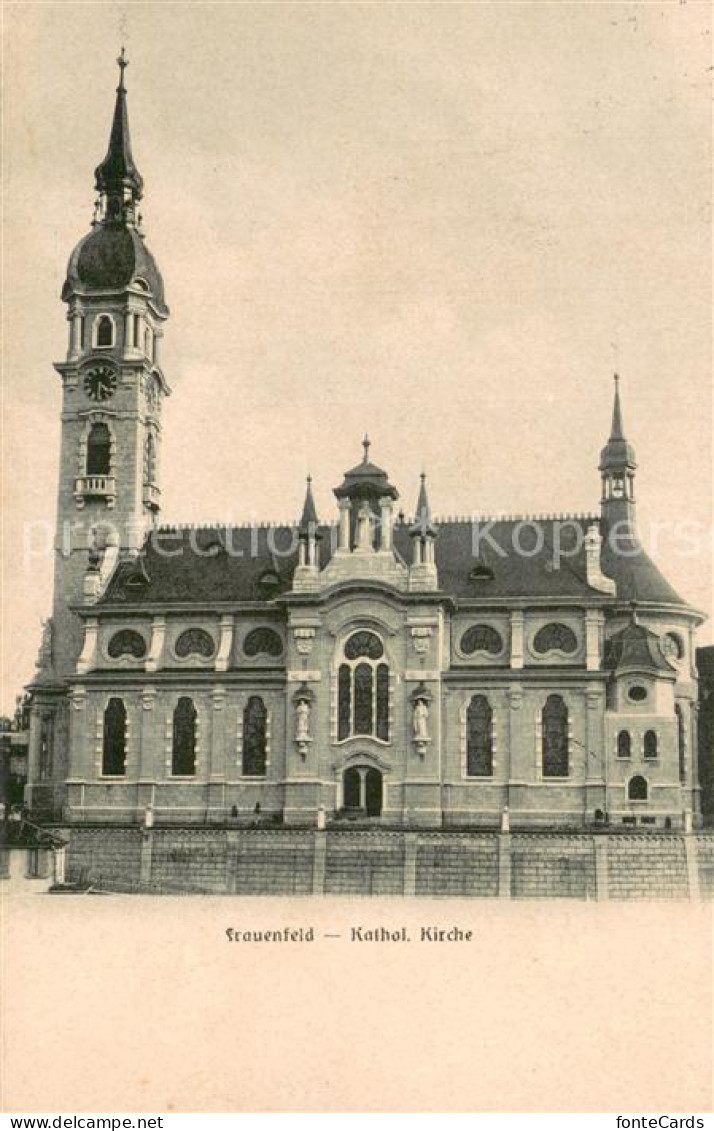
373,792
352,786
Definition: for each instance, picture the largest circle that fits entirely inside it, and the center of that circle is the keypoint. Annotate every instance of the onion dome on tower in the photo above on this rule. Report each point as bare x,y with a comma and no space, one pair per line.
114,255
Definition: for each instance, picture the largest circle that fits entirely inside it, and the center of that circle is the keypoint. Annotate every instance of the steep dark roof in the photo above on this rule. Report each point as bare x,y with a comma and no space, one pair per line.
366,480
636,648
637,577
473,560
110,259
118,169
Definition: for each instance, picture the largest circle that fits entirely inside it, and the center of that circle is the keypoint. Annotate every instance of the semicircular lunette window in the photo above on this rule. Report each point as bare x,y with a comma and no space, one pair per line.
127,642
195,642
365,644
481,638
555,638
263,642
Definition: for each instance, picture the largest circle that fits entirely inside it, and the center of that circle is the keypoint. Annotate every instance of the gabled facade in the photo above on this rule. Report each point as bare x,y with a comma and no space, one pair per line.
409,671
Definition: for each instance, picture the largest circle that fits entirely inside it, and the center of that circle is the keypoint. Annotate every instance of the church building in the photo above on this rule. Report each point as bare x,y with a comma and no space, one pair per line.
376,665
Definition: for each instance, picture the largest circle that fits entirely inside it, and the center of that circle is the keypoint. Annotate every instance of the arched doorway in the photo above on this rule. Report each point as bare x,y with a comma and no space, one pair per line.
363,789
373,793
353,789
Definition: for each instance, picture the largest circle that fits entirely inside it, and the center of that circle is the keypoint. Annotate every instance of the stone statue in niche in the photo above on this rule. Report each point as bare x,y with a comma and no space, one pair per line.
302,725
302,715
420,721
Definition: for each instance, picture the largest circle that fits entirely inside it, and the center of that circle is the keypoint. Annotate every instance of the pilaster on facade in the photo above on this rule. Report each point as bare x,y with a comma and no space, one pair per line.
88,656
225,643
594,624
156,648
517,638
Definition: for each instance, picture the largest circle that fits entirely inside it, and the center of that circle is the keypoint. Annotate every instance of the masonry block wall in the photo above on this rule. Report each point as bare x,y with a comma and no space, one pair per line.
355,862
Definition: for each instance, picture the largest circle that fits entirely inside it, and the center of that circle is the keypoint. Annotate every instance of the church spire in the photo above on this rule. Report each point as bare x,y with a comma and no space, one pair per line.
617,467
422,519
309,520
117,179
617,432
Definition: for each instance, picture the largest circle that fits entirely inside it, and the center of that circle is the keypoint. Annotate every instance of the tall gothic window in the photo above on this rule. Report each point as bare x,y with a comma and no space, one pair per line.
150,458
363,688
183,757
624,744
99,450
114,744
479,738
105,331
255,737
555,738
681,742
46,744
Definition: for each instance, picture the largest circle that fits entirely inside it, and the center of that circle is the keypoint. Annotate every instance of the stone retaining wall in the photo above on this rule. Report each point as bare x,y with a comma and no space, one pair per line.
382,862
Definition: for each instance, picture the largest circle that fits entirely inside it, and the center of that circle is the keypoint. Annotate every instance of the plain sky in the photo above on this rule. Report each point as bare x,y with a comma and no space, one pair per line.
443,223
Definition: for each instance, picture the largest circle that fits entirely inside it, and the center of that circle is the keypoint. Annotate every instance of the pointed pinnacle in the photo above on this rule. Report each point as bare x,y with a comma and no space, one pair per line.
617,431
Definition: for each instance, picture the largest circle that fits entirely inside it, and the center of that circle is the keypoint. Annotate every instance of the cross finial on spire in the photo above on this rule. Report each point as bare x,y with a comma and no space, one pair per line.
617,432
366,445
123,63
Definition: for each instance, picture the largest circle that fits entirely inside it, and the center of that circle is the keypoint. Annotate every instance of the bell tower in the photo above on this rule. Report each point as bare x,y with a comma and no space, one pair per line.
113,389
617,468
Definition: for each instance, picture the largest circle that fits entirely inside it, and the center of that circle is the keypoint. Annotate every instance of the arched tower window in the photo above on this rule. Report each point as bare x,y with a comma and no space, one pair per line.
114,744
363,688
637,789
150,457
147,342
183,756
255,737
650,744
479,738
46,744
105,331
681,742
555,738
99,450
624,744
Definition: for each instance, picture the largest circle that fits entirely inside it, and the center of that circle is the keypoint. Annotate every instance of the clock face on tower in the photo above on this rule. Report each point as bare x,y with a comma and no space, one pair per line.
100,383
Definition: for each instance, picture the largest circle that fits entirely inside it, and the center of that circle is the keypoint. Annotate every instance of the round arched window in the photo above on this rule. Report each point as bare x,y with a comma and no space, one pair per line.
195,642
363,688
263,641
555,638
637,789
481,638
127,642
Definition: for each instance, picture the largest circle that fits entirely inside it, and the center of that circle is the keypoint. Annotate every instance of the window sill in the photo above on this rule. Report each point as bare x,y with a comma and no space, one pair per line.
362,738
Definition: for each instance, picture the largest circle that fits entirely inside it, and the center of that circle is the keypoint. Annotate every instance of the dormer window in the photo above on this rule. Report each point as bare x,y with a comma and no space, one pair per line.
104,332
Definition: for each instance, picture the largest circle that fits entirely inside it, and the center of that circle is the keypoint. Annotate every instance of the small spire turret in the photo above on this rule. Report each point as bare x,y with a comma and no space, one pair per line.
117,178
617,468
309,518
